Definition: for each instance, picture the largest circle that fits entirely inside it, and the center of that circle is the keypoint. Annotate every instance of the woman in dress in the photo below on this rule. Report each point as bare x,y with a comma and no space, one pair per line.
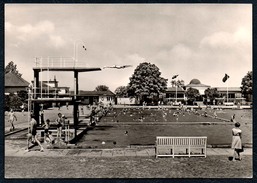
236,141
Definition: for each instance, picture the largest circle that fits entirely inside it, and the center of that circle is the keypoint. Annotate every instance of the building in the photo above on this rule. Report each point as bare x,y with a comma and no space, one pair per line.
91,97
230,94
196,84
174,94
14,83
51,89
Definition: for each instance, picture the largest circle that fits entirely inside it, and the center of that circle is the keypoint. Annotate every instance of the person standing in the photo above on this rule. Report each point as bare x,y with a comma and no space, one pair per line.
236,142
46,127
32,135
92,116
215,114
41,113
82,110
67,105
12,117
233,118
59,123
22,109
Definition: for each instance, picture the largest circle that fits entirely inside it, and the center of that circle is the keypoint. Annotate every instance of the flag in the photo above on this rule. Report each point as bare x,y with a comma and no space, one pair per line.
174,77
225,78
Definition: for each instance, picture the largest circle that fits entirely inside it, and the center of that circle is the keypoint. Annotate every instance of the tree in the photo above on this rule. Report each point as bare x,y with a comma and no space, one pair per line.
12,101
102,88
23,95
11,67
146,83
247,86
192,94
121,91
178,83
211,94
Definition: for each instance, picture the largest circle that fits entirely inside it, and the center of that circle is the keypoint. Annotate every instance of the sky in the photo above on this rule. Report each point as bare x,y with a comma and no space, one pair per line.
202,41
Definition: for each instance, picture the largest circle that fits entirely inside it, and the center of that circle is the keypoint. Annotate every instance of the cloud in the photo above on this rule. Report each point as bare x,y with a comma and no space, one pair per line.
135,58
177,53
242,35
33,32
8,26
28,31
222,40
57,41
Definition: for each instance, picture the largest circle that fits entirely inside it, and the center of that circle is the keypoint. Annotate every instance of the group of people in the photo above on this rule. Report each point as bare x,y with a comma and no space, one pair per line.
33,137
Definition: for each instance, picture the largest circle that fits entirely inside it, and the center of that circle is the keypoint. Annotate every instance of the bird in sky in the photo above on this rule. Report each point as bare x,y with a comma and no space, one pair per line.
117,66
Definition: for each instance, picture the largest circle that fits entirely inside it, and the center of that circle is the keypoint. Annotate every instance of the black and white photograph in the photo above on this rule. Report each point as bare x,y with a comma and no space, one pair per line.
128,91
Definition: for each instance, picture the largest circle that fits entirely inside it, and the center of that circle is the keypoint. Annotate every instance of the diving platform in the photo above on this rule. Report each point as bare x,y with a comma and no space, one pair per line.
63,68
64,99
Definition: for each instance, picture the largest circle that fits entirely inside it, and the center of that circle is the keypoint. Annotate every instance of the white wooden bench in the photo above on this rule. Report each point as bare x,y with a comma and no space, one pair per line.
181,146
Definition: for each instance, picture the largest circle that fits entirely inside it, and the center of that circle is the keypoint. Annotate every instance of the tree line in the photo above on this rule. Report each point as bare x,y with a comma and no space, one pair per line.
145,85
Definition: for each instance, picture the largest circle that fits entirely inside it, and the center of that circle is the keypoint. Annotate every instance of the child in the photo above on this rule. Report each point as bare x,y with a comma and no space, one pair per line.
82,110
49,138
32,135
59,122
12,116
233,118
46,127
92,116
215,114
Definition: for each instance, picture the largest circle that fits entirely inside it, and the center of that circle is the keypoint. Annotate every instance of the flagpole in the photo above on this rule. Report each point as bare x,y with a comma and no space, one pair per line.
227,92
176,83
176,90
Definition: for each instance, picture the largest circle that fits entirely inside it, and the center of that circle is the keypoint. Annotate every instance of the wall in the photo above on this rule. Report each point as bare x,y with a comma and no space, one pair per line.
107,100
126,101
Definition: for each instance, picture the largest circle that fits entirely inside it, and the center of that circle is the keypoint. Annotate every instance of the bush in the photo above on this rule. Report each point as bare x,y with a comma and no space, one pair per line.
12,101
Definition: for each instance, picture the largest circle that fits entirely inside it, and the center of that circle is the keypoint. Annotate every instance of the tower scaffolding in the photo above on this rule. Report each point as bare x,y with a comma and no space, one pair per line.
52,65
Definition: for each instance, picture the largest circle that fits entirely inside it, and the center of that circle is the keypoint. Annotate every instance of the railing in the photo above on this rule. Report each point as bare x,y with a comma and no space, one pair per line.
57,62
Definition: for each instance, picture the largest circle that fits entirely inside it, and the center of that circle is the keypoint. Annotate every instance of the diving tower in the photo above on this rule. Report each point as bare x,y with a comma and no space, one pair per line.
57,64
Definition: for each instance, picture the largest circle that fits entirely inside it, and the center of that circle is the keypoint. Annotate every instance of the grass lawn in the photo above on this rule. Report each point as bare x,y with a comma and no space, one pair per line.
127,167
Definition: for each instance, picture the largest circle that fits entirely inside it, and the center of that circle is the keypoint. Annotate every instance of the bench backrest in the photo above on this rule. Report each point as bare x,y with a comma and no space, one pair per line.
180,141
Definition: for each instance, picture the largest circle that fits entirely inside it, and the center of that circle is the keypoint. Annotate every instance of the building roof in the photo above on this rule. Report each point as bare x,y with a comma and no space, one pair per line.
173,89
12,80
94,93
62,87
50,81
45,86
13,89
235,89
196,83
